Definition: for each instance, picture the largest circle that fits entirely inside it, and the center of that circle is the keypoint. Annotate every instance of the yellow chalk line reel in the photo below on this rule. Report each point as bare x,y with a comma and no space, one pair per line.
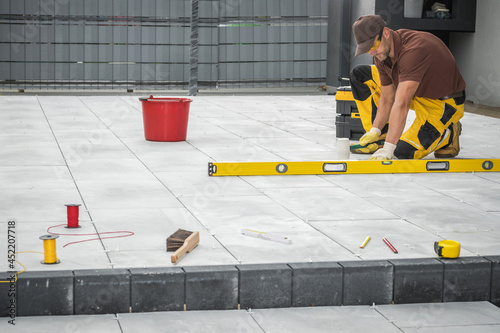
49,247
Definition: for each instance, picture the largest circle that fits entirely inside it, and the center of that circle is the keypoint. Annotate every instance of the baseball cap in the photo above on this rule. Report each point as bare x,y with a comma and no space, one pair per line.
366,29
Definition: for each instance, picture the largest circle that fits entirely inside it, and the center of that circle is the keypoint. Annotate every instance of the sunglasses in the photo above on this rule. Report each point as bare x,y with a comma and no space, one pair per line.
377,42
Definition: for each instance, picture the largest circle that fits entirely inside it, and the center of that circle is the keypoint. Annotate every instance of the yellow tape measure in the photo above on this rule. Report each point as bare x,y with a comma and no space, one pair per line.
447,248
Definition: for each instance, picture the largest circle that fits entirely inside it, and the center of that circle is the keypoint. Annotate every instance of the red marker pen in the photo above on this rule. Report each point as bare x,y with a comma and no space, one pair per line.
390,245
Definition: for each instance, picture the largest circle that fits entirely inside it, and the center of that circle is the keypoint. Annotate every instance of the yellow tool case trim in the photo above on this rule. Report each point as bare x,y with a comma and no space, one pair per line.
344,95
351,167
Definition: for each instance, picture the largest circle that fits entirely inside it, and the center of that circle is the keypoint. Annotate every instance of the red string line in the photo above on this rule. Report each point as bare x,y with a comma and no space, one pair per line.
128,233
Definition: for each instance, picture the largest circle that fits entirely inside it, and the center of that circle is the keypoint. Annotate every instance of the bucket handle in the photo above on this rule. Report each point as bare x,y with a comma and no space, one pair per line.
145,99
151,97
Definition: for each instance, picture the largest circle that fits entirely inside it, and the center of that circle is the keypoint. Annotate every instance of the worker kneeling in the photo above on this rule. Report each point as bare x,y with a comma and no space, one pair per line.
413,70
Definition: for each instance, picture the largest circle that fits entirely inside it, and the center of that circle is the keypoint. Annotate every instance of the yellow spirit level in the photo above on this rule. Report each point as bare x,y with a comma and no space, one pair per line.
351,167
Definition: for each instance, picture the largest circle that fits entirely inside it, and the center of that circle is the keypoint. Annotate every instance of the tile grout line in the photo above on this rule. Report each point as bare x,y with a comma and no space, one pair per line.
156,177
72,176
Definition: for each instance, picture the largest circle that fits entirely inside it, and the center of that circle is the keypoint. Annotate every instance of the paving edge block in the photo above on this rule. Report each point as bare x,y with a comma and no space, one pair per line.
265,286
418,280
367,282
45,293
362,282
211,287
316,284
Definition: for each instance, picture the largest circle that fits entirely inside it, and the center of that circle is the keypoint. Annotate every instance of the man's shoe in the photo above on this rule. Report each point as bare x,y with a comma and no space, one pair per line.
453,148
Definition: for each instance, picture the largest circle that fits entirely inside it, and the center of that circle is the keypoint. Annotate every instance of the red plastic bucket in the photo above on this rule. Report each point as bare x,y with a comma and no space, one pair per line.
165,119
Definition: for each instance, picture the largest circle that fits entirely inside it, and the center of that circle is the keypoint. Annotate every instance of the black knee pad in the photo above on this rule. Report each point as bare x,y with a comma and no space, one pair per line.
404,151
358,76
361,73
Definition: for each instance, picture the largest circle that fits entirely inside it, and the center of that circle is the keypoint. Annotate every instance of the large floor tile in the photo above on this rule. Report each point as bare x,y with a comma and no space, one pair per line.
88,323
37,204
190,322
324,319
442,315
323,203
91,150
409,240
196,183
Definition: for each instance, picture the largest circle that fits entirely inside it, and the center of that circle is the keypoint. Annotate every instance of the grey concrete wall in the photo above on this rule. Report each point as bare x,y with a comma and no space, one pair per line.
334,43
360,7
477,55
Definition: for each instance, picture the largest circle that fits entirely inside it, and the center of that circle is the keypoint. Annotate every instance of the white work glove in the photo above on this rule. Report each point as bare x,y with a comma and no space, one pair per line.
371,136
385,153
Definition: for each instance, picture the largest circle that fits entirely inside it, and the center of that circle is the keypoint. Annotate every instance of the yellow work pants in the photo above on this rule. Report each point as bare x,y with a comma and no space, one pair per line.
434,117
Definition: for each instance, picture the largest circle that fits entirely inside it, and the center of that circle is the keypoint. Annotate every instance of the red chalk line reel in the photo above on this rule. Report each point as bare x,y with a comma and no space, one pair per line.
73,213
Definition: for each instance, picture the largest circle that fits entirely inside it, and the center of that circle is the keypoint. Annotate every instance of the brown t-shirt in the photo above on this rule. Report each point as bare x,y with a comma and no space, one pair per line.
422,57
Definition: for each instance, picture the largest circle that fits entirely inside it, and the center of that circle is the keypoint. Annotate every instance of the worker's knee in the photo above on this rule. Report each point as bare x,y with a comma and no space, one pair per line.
359,75
404,151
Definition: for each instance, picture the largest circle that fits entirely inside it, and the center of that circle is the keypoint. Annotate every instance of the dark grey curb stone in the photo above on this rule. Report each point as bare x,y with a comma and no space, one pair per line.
211,287
100,291
45,293
418,280
466,279
495,279
265,286
103,291
316,284
367,282
8,295
157,289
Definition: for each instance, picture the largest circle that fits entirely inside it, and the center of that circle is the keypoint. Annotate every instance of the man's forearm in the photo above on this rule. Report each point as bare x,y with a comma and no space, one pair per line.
383,114
386,102
397,121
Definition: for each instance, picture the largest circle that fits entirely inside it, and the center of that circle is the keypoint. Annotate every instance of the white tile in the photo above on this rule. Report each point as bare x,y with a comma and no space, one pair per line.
326,138
221,212
174,161
456,329
466,188
85,323
155,187
442,314
304,181
257,130
28,139
37,204
126,193
31,156
298,125
190,321
202,255
86,254
307,245
409,240
327,204
124,170
199,184
151,227
307,155
35,177
323,319
279,145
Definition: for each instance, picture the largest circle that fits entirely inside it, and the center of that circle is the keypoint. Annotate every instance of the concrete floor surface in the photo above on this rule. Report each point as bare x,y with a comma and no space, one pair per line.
91,150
